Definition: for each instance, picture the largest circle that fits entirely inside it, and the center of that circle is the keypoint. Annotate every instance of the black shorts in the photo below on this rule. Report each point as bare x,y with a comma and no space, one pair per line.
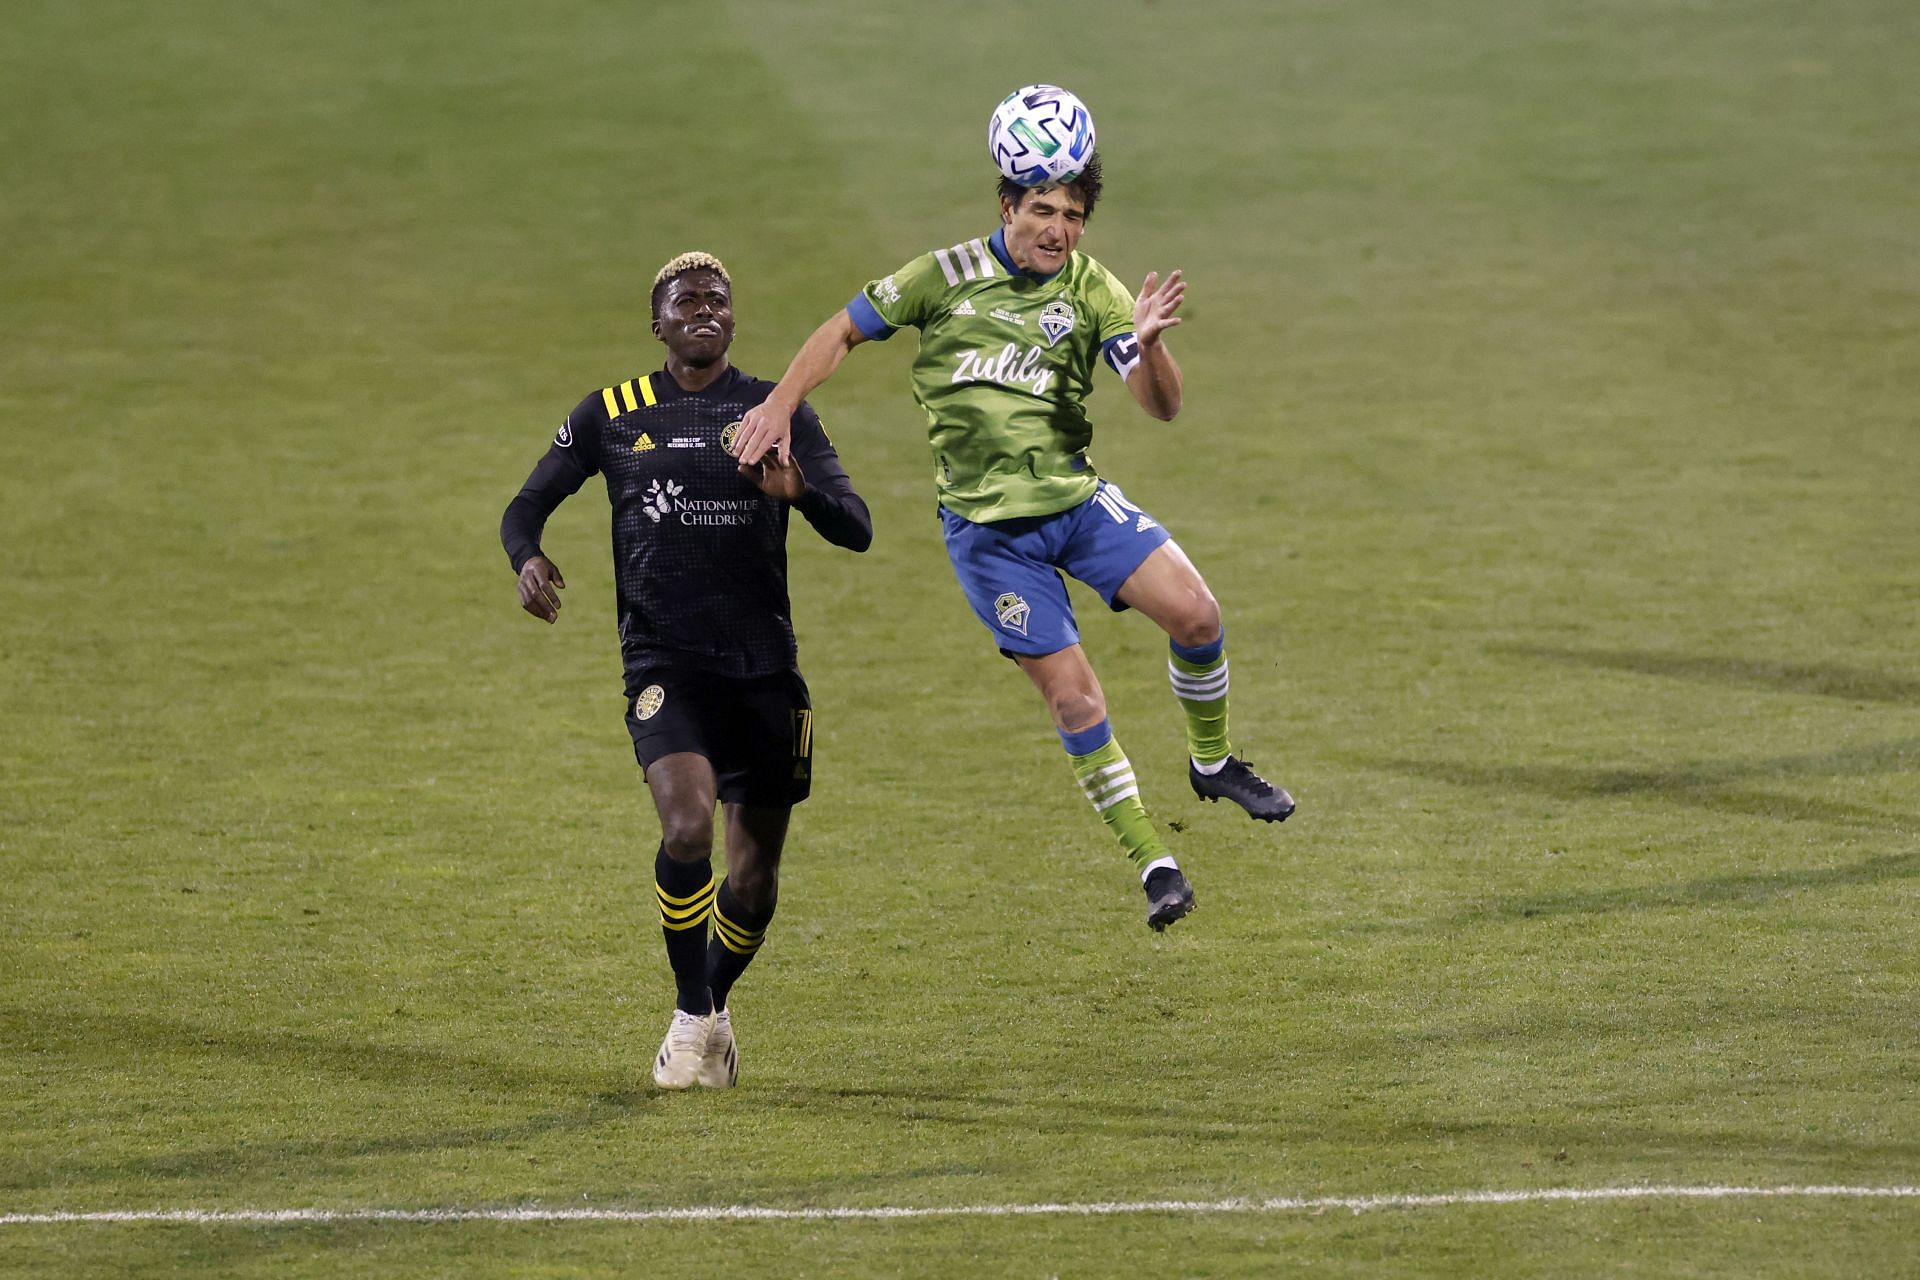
757,733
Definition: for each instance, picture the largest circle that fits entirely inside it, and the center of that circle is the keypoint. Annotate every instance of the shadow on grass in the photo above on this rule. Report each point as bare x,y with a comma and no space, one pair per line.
1728,890
1280,1124
1826,680
1716,785
303,1055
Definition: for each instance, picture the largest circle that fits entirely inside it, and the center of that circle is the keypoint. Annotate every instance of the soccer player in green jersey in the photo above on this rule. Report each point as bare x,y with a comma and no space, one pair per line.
1013,327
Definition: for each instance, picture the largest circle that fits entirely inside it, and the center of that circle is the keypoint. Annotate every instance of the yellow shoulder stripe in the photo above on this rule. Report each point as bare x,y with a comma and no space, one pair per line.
631,394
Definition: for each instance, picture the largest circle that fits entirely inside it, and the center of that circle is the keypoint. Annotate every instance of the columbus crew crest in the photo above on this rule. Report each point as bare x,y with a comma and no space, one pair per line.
1056,320
728,434
647,705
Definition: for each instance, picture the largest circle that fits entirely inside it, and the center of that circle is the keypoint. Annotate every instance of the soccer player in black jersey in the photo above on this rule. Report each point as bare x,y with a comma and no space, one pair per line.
715,703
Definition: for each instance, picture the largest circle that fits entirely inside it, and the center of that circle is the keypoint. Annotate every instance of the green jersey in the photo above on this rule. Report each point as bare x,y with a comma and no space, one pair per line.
1006,363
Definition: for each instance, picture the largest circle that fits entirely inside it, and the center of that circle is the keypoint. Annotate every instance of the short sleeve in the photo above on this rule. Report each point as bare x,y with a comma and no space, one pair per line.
909,296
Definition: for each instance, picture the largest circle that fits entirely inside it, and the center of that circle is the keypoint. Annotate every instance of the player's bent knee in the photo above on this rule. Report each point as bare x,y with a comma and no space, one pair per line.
1077,709
1198,622
688,839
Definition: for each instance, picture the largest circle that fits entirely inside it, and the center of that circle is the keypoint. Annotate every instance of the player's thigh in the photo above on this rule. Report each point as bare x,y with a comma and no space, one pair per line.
1006,573
1111,541
1167,588
764,741
669,721
684,787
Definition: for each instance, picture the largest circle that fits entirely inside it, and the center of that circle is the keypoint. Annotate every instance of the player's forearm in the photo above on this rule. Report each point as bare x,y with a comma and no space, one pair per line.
520,530
838,514
551,483
816,360
1156,383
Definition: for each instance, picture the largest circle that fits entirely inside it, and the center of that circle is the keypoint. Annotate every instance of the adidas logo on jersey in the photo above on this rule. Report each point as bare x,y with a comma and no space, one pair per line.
644,443
965,308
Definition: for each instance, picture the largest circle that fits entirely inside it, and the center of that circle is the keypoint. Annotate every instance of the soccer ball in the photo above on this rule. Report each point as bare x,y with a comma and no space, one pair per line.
1040,135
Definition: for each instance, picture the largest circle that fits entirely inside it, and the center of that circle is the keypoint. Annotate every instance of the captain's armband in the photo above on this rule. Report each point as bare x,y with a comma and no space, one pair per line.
1123,353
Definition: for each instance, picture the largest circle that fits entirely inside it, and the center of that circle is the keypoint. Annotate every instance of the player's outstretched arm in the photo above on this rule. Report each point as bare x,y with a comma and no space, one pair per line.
769,425
1156,382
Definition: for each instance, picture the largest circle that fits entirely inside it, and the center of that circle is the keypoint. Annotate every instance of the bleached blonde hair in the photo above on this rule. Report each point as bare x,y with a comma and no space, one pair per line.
693,260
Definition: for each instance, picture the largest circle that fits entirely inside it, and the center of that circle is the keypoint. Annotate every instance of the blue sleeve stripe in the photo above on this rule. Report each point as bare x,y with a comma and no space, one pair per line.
868,320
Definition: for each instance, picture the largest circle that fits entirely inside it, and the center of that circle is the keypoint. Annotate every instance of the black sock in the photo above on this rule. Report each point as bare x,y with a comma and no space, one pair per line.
737,935
685,891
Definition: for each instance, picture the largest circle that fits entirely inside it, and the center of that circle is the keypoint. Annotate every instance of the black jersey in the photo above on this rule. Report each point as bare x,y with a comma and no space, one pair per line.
699,553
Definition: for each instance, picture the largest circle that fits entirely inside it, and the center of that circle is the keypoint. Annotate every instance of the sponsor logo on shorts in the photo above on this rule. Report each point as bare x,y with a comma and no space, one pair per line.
647,705
1012,613
1056,320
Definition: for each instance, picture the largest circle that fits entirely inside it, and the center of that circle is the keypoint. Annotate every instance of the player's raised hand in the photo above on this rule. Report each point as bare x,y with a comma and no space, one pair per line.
540,588
1153,311
768,425
777,475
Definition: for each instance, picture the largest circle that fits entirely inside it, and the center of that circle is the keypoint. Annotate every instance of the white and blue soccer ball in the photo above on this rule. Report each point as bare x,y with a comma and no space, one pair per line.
1041,135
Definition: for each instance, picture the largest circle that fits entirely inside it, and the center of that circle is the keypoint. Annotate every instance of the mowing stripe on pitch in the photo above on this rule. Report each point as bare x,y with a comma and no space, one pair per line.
751,1213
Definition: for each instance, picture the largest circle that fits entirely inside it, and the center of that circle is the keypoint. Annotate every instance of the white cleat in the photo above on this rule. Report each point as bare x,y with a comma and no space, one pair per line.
678,1065
720,1064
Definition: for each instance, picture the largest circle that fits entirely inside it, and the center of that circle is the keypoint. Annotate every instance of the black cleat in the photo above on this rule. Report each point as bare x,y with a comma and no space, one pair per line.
1237,782
1169,897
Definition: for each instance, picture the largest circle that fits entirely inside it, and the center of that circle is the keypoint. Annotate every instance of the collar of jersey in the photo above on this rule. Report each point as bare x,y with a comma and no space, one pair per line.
997,242
665,383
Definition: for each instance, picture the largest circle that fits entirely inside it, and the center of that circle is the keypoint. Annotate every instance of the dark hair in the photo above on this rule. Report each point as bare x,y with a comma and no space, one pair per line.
1087,186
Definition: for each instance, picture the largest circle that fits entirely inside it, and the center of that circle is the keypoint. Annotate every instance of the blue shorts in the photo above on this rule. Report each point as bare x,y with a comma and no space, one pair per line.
1010,569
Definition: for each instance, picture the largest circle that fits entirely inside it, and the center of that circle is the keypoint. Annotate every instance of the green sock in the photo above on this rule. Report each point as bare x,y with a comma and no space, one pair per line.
1107,778
1201,688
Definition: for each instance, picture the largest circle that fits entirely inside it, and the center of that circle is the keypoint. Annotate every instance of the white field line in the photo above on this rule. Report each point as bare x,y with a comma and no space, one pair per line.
751,1213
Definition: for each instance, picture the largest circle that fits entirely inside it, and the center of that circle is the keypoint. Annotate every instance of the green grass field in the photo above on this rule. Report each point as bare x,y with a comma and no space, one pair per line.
1552,441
